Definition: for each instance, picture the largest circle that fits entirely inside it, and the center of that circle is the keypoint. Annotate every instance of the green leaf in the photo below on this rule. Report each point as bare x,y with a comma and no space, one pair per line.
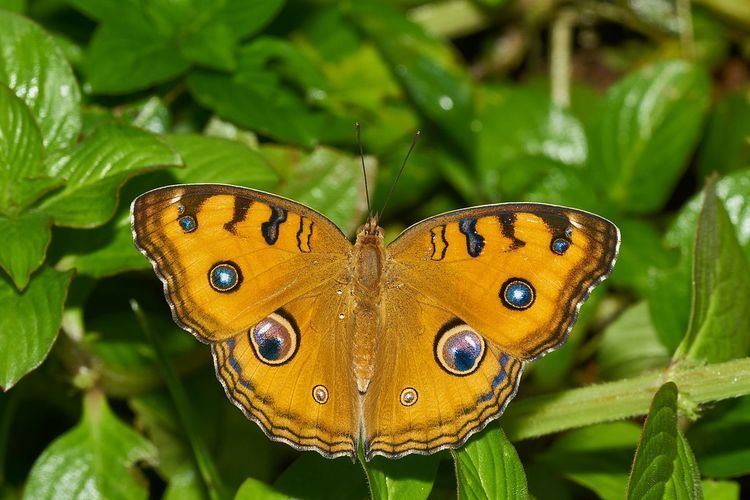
26,239
34,67
409,477
725,147
97,167
597,457
29,322
719,327
252,489
642,250
125,58
721,439
721,490
326,180
94,459
21,174
539,138
488,467
647,127
664,465
425,66
631,346
213,159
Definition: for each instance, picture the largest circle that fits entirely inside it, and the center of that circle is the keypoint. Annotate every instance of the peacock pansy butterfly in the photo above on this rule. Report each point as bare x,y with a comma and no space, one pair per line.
410,347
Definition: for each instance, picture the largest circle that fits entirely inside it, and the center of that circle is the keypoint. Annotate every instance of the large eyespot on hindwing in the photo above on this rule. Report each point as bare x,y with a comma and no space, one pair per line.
517,294
275,339
459,349
225,276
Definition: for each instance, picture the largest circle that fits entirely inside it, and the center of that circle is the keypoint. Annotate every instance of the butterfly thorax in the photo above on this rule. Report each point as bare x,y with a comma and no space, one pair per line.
369,257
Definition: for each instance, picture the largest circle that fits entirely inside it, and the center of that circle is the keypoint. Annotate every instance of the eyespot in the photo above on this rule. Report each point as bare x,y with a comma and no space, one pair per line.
320,394
517,293
459,349
275,340
560,246
225,276
408,396
187,223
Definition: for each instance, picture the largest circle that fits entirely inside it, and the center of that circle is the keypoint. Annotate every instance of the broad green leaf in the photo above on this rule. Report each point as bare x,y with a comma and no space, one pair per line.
409,477
647,126
123,59
29,322
425,66
488,467
664,465
213,159
34,67
20,154
597,457
719,327
95,459
725,146
670,288
539,138
263,94
252,489
26,238
97,167
13,5
314,477
631,346
326,180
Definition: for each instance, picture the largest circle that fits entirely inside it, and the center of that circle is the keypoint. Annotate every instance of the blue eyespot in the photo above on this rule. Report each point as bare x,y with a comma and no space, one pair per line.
274,340
224,276
187,223
517,294
459,350
560,246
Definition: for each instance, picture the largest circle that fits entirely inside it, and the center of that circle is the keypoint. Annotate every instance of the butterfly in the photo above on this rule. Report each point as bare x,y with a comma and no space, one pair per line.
330,345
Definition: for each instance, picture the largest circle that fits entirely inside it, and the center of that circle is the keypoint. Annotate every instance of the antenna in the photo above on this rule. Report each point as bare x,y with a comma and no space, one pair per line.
401,170
364,172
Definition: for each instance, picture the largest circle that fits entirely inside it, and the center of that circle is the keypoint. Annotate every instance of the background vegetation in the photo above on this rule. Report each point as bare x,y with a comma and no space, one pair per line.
623,108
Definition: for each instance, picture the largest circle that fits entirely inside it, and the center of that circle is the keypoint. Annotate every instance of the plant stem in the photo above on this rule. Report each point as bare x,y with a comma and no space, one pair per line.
550,413
687,38
203,460
562,44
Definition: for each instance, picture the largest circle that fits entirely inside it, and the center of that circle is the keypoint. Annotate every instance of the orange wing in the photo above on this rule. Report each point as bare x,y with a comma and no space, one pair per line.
230,256
515,272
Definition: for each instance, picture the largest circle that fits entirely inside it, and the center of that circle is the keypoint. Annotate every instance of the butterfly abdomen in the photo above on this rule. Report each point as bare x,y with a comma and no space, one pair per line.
369,256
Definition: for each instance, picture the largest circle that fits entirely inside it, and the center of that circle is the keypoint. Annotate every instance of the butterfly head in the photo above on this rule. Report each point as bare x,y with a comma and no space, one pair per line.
371,227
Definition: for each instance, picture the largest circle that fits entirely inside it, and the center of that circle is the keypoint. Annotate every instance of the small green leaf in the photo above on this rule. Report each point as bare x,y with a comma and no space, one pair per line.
34,67
96,169
647,127
29,322
719,327
326,180
489,467
631,346
721,490
664,465
26,239
539,138
95,459
252,489
410,477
